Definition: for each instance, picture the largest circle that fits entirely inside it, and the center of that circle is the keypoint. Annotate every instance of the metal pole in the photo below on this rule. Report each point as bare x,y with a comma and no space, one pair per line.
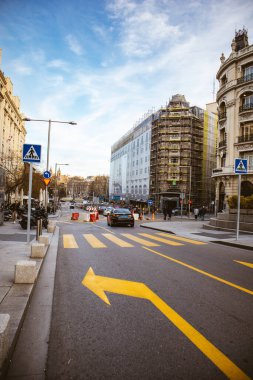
29,203
48,148
55,189
190,189
238,207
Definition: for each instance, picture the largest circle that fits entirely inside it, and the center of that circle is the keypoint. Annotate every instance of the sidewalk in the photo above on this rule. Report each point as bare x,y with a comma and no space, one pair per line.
14,298
193,229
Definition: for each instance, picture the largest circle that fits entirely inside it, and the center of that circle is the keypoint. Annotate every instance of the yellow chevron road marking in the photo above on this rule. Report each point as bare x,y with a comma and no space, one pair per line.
94,241
119,242
69,241
166,241
250,265
141,241
245,290
186,240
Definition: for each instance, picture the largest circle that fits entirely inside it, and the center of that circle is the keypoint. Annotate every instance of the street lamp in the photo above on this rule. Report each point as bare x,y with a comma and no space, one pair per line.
49,121
56,164
190,185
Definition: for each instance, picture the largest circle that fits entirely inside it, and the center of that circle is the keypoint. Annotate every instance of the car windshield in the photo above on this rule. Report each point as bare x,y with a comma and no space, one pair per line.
121,211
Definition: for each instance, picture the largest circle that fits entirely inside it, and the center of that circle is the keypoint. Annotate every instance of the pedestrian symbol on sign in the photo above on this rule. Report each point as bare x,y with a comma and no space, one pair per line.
31,154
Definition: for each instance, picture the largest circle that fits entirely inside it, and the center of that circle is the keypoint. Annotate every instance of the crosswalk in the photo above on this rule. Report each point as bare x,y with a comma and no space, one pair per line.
144,239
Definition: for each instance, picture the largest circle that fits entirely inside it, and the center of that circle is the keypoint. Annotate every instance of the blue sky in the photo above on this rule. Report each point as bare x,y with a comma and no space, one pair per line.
105,63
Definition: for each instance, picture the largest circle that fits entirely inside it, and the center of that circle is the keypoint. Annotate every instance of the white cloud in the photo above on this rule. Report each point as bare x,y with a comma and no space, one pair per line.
73,44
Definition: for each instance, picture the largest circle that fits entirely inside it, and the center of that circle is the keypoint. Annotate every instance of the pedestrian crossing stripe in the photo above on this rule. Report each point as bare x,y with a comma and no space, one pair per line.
181,238
70,242
162,240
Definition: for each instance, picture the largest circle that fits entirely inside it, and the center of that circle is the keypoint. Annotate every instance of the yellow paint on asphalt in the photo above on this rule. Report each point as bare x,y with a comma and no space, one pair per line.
161,240
94,241
69,241
99,285
119,242
250,265
186,240
245,290
141,241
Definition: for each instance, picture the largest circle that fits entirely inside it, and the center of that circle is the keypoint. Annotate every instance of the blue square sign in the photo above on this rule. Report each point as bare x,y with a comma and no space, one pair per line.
241,166
31,153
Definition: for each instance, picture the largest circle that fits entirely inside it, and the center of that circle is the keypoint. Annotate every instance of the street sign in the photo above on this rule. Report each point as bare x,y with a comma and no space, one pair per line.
46,181
241,166
46,174
150,202
31,153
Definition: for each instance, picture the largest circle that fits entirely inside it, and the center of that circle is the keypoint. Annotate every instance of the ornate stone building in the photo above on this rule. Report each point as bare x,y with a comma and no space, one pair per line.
12,129
235,113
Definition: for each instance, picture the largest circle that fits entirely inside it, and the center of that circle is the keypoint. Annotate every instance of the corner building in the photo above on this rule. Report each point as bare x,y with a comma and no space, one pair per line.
235,113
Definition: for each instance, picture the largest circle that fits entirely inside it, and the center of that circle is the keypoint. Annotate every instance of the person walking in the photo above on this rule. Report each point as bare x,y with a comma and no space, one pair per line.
14,208
196,213
165,211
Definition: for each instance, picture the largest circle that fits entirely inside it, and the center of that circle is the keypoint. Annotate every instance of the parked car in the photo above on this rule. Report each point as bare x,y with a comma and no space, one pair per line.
120,216
101,209
177,211
107,210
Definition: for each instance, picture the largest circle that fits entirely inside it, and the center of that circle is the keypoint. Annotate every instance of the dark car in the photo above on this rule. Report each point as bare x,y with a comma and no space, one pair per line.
121,217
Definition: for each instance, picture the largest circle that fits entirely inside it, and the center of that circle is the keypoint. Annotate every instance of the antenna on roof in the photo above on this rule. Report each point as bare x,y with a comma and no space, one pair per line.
213,89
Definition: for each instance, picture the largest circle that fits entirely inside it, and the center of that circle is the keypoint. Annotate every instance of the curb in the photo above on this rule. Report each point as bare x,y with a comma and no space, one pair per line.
235,245
157,229
29,288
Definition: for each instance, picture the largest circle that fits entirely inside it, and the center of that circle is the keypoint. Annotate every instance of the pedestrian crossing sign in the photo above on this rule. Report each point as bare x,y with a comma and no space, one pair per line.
31,153
241,166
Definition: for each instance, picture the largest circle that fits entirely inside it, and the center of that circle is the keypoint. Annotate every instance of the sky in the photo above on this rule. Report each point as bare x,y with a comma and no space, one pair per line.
105,64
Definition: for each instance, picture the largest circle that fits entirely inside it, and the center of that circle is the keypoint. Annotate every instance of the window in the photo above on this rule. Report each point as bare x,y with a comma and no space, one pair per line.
248,73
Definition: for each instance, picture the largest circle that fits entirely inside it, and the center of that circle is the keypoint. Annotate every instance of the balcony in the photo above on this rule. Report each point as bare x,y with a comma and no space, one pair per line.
222,115
246,107
222,144
246,138
245,78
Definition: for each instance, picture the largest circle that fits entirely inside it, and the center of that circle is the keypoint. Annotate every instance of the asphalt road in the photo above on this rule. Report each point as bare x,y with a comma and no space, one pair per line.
191,318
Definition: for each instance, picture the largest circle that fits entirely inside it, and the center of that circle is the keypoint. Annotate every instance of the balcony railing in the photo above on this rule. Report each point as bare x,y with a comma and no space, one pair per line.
246,107
222,144
245,78
245,138
222,115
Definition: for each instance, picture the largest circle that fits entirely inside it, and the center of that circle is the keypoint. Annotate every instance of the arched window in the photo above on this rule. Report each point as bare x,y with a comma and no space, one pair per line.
246,188
222,111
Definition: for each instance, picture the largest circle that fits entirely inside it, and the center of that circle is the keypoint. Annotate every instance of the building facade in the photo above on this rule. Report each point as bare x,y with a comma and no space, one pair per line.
130,164
171,153
235,112
12,129
183,154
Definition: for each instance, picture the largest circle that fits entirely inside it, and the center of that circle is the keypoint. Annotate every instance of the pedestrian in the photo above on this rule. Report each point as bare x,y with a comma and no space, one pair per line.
169,212
203,211
14,208
196,213
165,211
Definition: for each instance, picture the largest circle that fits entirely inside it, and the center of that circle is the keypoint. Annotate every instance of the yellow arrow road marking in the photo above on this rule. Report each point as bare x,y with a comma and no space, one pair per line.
99,285
250,265
69,241
94,241
119,242
201,271
161,240
181,238
141,241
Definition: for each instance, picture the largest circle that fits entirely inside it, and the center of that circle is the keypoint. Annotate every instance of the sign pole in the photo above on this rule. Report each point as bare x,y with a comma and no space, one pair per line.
29,202
238,207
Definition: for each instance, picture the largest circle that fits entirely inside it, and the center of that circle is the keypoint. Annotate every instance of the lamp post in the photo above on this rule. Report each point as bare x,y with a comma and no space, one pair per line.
57,164
190,185
49,121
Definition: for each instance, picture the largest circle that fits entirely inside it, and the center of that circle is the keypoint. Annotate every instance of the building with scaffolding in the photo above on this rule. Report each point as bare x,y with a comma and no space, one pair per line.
168,156
183,154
